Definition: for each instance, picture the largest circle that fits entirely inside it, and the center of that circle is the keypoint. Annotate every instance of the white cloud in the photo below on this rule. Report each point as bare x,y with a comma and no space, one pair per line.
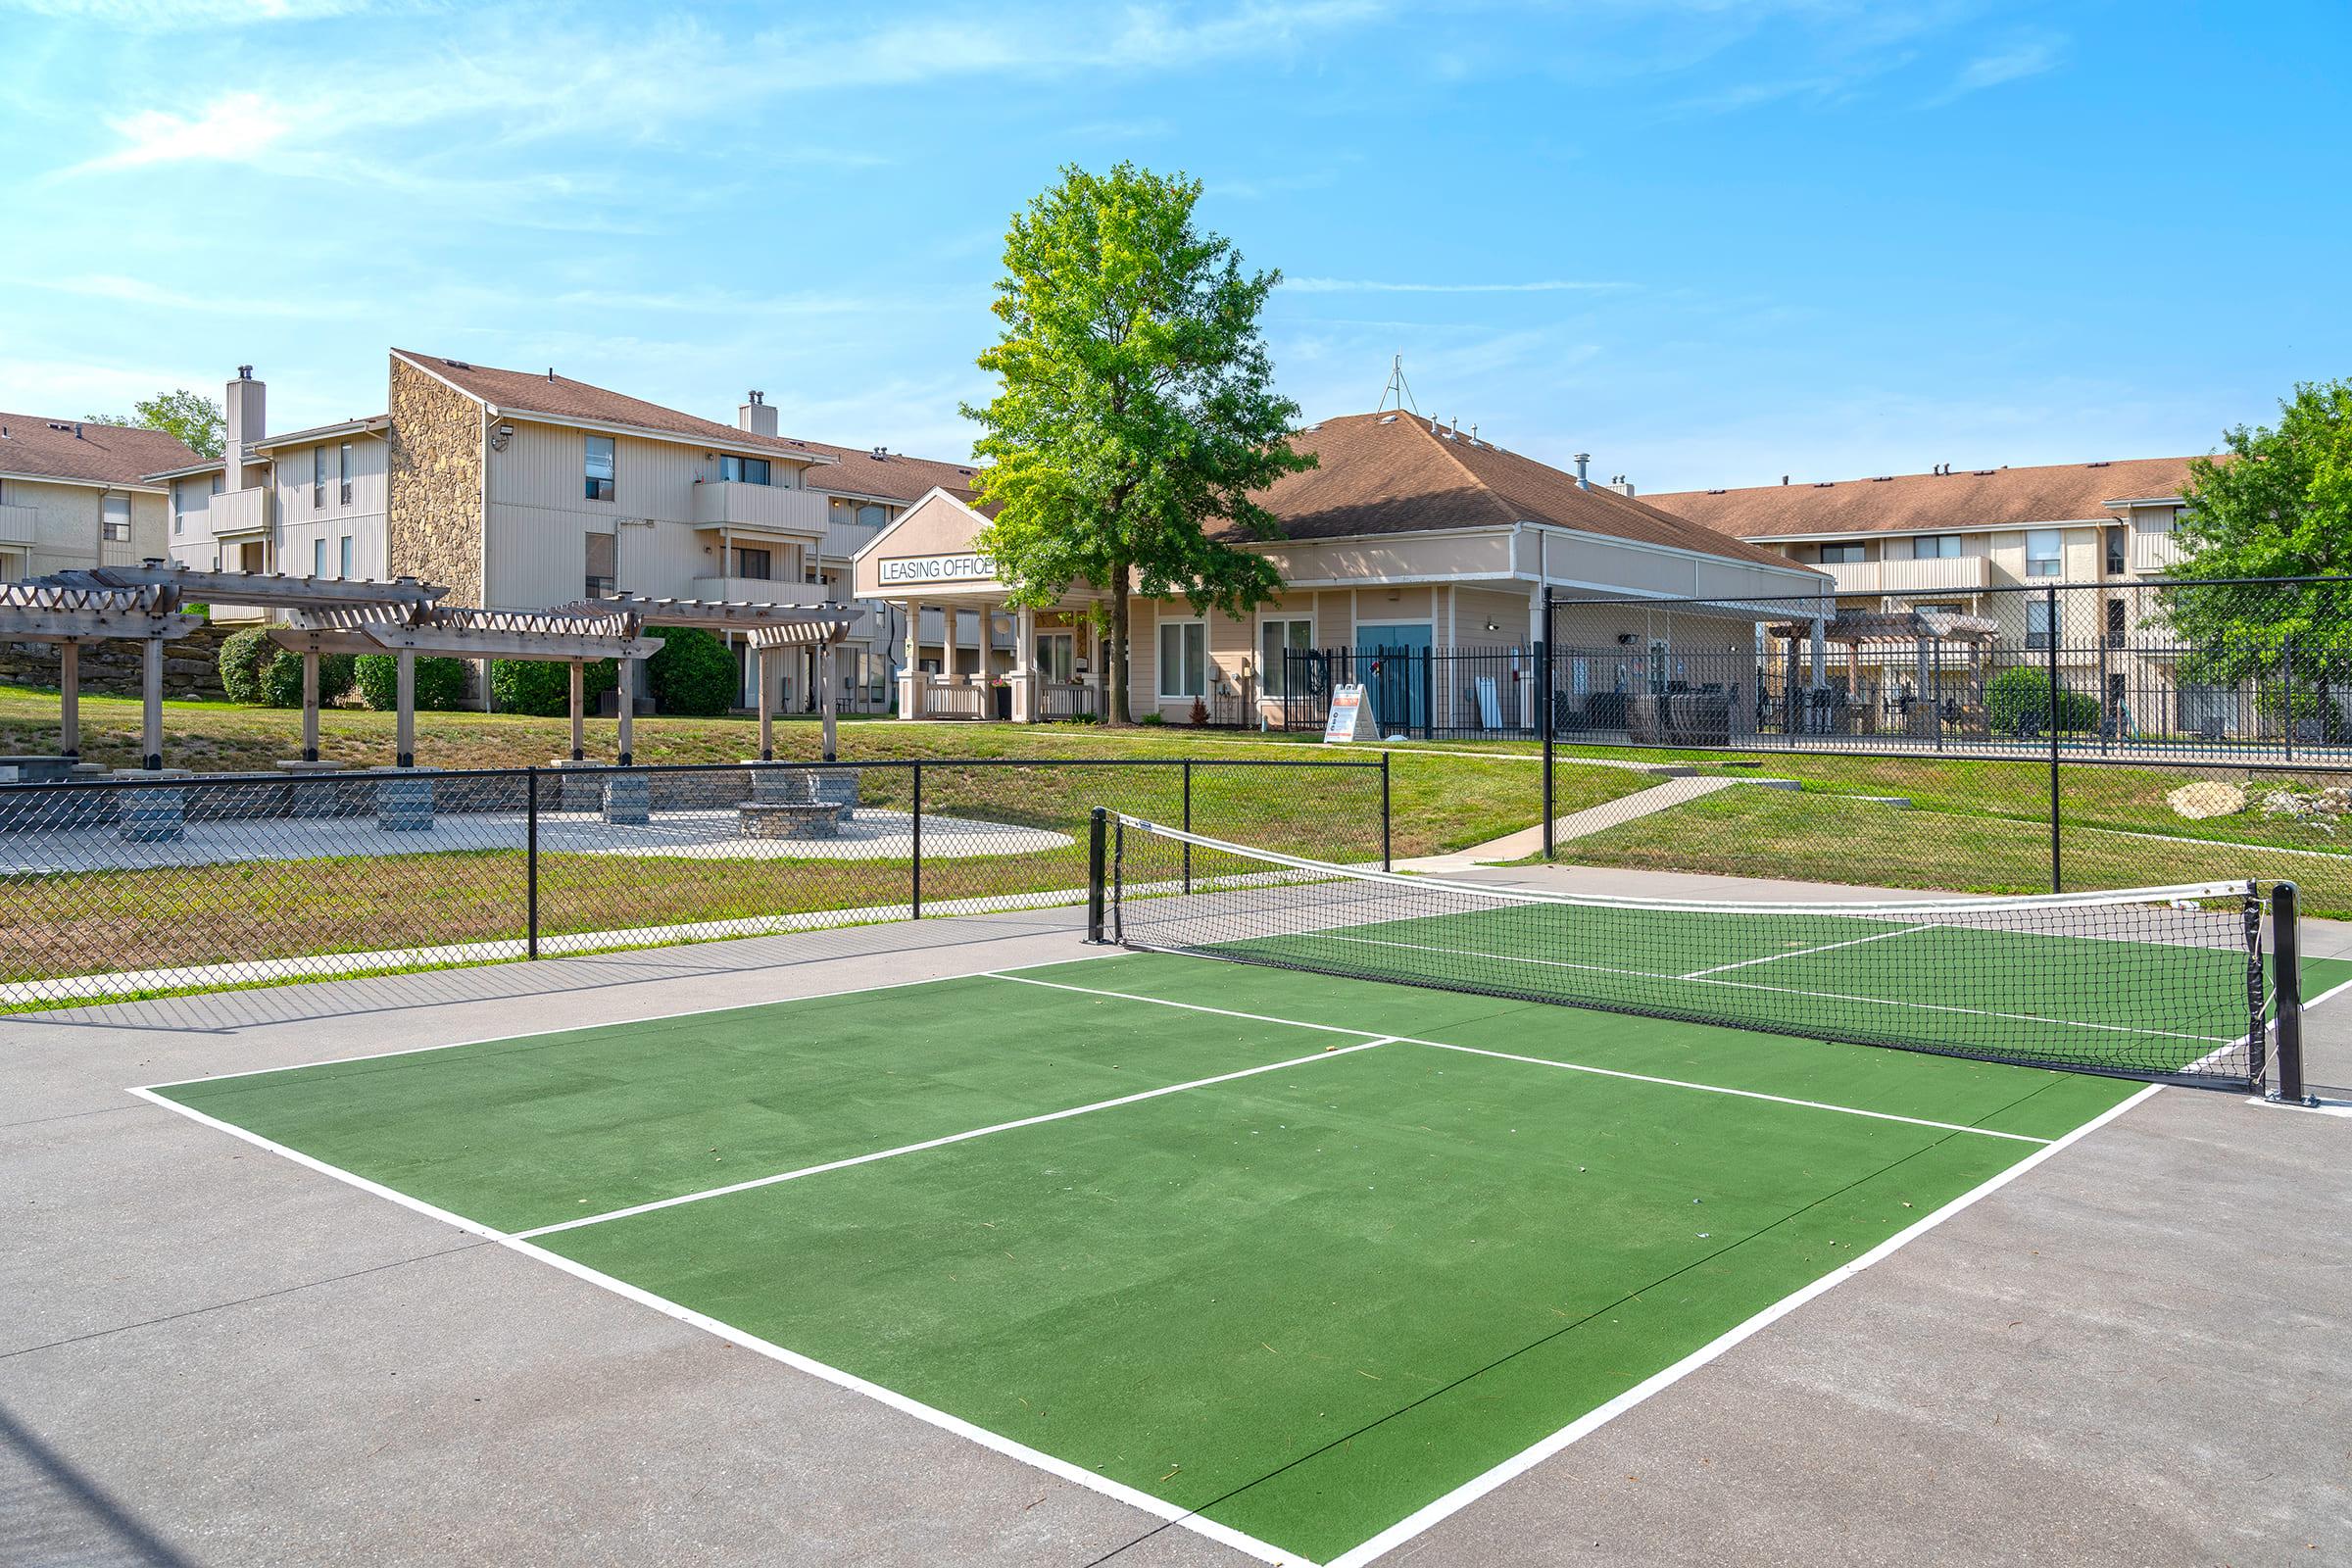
235,128
162,16
1350,285
2027,57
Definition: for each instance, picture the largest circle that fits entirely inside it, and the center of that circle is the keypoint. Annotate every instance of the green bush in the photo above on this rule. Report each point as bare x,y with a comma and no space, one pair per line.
536,686
254,671
2020,698
1154,717
440,683
693,673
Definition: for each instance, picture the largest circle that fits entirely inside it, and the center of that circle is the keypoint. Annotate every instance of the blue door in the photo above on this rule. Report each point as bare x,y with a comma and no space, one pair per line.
1392,660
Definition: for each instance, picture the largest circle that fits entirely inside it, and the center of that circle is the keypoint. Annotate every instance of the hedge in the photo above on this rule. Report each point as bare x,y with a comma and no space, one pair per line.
2019,698
693,673
256,672
440,683
537,686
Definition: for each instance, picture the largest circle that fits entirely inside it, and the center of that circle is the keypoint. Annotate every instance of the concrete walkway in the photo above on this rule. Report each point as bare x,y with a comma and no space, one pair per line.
1581,825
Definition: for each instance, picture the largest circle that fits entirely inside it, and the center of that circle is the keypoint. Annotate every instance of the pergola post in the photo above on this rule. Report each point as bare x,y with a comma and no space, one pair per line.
309,706
1818,650
68,693
829,704
151,697
767,704
404,744
579,711
628,711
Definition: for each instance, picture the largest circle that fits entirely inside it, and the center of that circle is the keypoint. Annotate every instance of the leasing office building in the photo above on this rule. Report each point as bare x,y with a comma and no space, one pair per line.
1408,534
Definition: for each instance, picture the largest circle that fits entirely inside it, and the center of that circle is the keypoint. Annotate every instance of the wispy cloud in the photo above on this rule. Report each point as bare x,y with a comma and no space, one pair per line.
1355,285
137,291
164,16
2028,55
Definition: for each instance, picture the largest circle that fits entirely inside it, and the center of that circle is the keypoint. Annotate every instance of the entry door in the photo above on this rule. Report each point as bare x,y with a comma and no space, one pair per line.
1389,660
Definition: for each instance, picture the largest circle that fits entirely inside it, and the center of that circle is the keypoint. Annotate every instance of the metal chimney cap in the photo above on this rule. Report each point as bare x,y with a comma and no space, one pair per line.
244,372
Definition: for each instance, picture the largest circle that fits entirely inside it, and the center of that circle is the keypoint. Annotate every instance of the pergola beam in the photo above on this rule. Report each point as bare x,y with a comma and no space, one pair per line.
23,625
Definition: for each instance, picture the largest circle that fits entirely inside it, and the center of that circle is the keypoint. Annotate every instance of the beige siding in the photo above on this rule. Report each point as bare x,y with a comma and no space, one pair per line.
64,525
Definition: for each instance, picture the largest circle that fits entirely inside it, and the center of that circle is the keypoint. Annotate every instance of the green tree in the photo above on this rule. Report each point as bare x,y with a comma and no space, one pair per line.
1135,405
190,416
2277,502
692,672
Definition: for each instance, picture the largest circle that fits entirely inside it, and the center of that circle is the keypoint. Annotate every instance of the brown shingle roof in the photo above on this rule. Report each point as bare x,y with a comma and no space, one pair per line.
893,476
1932,501
523,393
105,454
1391,473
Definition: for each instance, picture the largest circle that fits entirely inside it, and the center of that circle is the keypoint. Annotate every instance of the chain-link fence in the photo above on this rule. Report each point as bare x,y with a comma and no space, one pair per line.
2065,737
122,887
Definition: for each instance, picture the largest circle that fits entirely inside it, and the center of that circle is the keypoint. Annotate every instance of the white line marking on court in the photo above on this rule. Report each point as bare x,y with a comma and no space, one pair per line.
1826,946
1461,1497
1143,1502
682,1198
1541,1061
1743,985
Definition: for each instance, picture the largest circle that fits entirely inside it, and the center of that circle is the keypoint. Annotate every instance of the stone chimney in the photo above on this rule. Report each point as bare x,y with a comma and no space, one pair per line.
755,416
245,406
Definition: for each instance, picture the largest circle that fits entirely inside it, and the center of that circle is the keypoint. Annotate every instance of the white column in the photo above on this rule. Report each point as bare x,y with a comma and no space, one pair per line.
1027,687
1819,649
829,705
948,651
767,704
911,674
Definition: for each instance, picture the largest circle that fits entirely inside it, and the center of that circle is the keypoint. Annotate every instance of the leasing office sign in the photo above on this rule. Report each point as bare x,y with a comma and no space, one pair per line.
905,570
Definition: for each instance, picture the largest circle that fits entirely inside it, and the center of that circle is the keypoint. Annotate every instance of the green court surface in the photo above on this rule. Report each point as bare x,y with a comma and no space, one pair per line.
1279,1255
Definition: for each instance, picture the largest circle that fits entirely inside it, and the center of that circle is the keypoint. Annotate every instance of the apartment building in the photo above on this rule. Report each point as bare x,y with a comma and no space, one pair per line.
1975,542
77,495
521,489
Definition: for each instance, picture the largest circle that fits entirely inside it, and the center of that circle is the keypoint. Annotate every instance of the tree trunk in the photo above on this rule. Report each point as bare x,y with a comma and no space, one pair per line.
1117,711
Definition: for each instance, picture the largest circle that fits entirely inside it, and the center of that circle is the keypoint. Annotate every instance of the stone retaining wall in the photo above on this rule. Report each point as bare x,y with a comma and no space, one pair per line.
112,668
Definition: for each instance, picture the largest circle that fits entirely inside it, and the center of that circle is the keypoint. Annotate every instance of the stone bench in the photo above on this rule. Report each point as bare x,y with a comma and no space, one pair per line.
836,787
789,819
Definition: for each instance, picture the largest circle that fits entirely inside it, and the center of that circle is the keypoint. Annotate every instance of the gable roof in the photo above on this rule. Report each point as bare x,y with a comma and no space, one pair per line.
521,393
1396,472
103,454
893,477
1913,503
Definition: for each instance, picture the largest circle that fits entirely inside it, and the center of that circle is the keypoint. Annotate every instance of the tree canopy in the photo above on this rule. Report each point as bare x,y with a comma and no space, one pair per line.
2277,502
190,416
1135,411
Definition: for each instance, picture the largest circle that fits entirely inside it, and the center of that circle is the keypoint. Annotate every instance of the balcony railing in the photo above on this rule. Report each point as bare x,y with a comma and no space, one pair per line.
18,525
732,504
235,511
1942,574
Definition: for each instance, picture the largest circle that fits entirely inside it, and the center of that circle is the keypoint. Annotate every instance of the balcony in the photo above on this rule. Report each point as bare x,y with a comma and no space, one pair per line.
1943,575
16,524
2155,553
237,511
758,507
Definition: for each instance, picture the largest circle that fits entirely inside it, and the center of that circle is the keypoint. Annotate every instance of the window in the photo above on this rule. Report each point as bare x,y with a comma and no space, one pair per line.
1057,655
756,564
599,467
318,476
742,470
113,519
2038,619
1832,554
1276,638
343,473
344,560
2115,552
1936,547
318,558
871,517
1183,658
2115,623
604,563
2046,553
179,508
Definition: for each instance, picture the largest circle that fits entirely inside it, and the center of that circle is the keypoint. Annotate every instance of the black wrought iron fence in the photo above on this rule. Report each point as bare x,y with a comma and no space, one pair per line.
1458,693
126,887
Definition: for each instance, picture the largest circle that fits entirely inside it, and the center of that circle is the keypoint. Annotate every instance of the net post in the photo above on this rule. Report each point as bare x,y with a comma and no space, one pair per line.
2286,970
530,861
2050,649
1118,898
1550,726
1386,836
1098,836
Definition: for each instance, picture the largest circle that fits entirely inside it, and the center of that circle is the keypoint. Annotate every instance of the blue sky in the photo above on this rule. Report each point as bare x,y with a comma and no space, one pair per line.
1709,241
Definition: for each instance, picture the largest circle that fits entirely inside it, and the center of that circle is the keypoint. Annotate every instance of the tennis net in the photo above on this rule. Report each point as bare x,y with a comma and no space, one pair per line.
2163,983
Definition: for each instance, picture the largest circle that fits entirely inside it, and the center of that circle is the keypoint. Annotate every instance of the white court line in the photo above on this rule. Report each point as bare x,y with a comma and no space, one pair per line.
1743,985
1826,946
682,1198
1157,1507
1461,1497
1540,1061
2270,1027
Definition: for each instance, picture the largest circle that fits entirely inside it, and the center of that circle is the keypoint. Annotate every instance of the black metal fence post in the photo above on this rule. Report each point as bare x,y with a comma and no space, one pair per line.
1387,863
2050,651
1188,824
530,860
1550,727
1429,692
916,899
2286,695
2286,983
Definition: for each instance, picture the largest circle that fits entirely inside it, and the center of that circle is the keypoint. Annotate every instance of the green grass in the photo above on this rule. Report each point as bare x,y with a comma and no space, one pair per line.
1304,1301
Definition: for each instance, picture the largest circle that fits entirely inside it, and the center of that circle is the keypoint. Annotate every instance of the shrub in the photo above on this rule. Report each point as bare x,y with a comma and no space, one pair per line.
256,670
2020,698
440,683
692,673
536,686
1155,716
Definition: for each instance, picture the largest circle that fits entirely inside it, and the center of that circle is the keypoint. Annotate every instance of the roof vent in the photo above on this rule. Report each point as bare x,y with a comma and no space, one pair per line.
244,372
2095,465
1784,478
1824,484
1388,419
1881,478
1714,492
456,365
1984,474
880,453
551,372
59,425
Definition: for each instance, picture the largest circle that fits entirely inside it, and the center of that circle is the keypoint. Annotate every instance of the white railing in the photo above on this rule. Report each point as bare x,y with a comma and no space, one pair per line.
18,525
1941,574
723,503
234,512
759,590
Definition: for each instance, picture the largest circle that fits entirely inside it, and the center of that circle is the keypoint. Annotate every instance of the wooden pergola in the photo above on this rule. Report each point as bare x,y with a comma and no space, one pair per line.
149,603
1921,629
